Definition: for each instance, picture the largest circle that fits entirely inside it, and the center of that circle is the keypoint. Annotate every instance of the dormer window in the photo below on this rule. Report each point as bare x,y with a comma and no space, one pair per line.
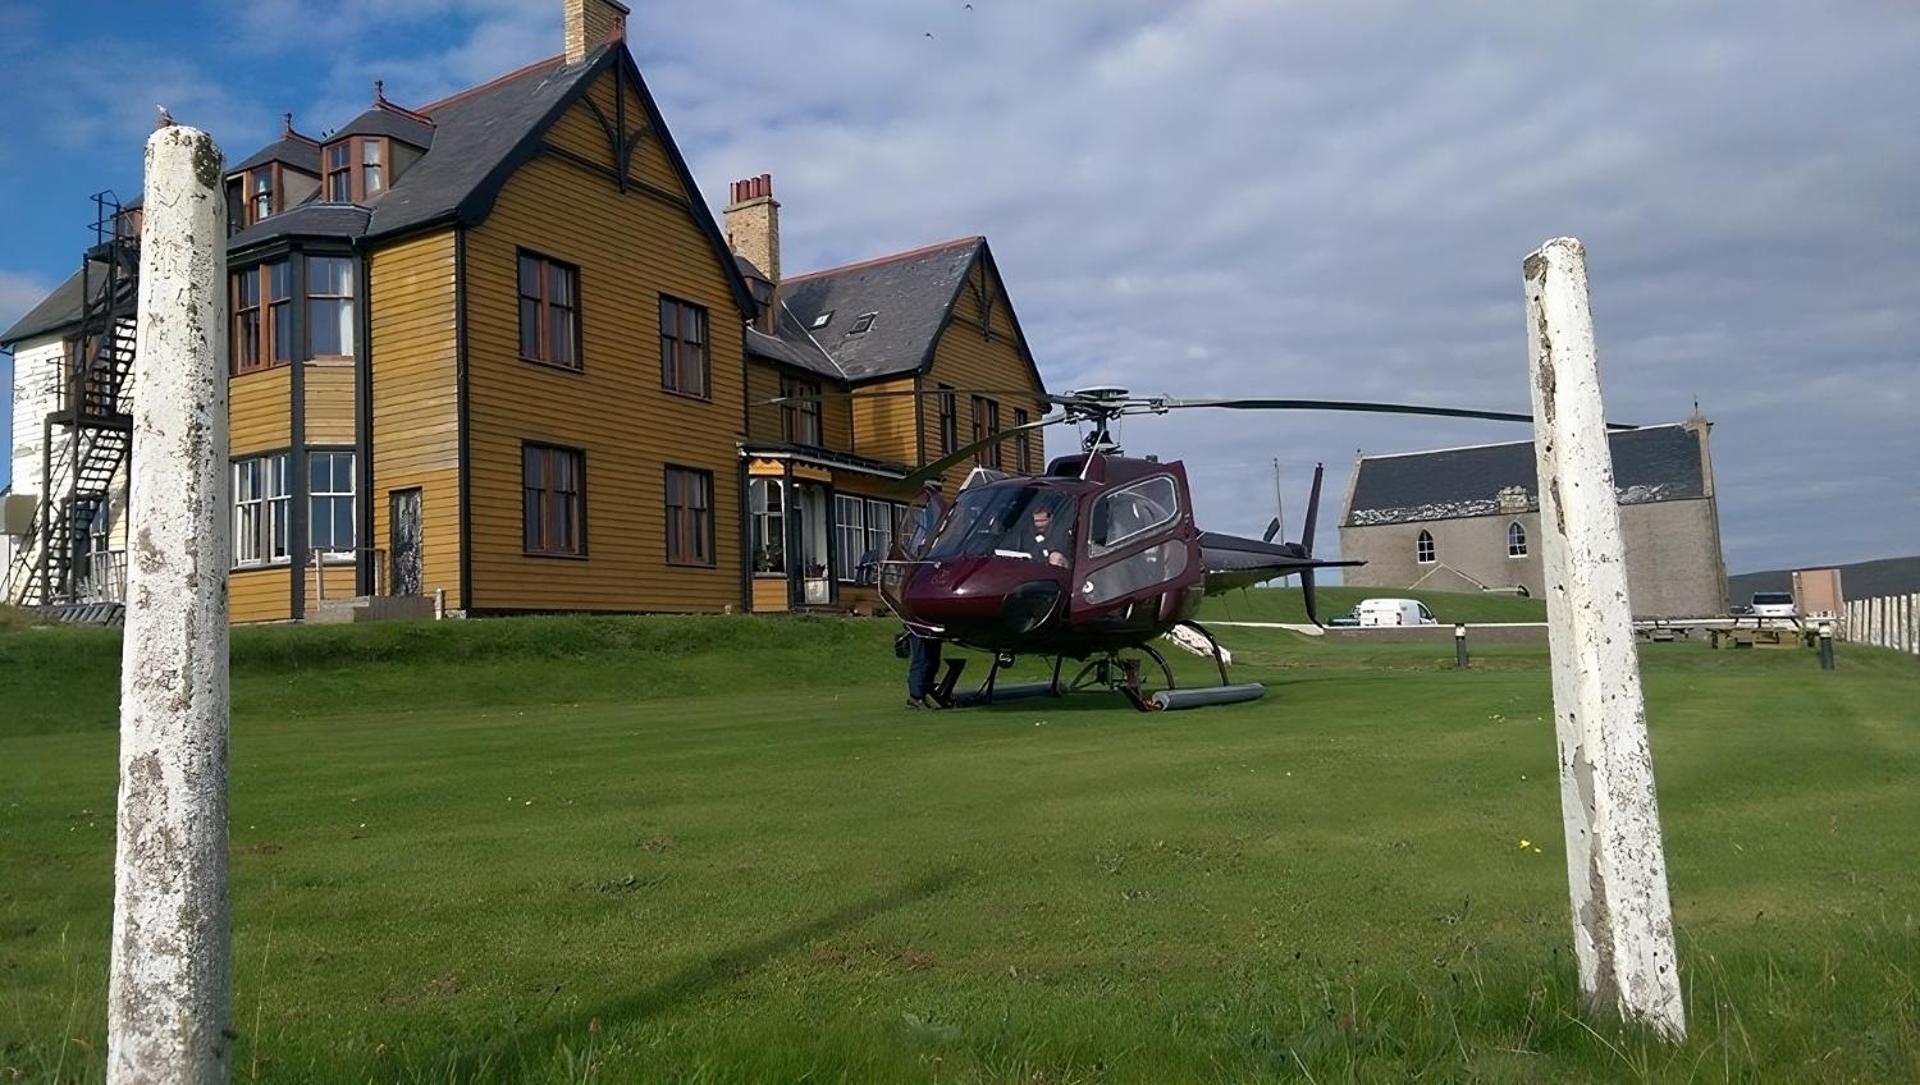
372,176
260,193
355,169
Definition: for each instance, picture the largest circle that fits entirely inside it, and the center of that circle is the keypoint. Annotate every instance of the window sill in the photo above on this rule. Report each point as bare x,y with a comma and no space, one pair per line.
769,576
555,554
257,370
259,566
708,398
693,564
331,360
560,367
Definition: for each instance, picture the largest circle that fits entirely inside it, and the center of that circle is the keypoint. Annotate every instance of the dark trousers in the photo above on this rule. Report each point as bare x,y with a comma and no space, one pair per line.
923,665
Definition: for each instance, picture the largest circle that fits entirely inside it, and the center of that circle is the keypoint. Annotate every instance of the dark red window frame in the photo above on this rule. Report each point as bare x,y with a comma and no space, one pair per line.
689,502
986,423
549,304
261,335
684,368
553,504
800,421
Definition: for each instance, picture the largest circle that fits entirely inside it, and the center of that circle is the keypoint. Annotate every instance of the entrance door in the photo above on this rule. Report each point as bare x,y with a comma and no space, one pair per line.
403,541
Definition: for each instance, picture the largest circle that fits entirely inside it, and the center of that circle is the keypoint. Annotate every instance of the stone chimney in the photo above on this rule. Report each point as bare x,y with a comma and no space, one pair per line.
591,24
753,224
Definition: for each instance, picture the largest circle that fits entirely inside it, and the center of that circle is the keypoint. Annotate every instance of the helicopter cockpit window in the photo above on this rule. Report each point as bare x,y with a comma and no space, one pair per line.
1009,521
1133,511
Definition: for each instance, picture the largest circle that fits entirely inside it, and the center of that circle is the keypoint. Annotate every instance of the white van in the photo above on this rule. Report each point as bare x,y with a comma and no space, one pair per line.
1394,612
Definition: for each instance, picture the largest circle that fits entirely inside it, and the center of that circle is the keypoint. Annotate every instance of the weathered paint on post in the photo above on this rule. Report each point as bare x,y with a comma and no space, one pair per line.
1616,864
170,1002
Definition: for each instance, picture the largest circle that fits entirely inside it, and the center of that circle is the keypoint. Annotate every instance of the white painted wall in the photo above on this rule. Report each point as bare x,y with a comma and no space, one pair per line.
36,389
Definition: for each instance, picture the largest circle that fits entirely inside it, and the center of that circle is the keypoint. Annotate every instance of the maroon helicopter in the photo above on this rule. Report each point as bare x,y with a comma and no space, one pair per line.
1092,561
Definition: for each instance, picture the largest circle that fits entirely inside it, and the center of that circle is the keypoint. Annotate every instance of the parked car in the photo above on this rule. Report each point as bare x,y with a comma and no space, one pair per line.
1773,604
1377,612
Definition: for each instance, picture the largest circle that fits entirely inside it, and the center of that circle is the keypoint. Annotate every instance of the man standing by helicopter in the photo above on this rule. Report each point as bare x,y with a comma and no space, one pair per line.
923,653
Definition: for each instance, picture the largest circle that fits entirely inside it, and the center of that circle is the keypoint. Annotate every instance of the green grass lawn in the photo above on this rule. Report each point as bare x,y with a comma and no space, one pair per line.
1284,605
716,850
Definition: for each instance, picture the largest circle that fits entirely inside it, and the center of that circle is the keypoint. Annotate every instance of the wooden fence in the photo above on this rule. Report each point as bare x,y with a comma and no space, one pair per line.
1892,621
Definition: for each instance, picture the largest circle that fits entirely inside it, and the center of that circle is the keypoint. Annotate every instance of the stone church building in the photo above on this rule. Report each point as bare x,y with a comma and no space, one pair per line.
1468,519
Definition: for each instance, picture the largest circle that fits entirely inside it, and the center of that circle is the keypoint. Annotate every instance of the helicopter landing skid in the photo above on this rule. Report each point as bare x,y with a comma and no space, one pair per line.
1123,676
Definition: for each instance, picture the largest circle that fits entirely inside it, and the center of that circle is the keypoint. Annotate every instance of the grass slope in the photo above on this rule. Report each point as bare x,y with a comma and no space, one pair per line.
715,850
1284,605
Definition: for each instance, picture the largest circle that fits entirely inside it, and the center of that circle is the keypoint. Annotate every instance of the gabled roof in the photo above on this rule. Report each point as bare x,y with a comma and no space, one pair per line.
60,309
1655,463
287,150
910,294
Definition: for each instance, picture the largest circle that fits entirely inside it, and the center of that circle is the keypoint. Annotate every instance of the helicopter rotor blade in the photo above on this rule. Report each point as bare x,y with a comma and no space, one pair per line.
1307,597
1273,528
1359,406
965,452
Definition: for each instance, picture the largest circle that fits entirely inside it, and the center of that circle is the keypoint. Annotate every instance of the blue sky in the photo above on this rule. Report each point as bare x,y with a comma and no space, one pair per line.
1217,196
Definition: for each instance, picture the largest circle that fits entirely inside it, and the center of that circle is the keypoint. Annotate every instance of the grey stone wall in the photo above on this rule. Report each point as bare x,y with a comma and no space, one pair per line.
1674,565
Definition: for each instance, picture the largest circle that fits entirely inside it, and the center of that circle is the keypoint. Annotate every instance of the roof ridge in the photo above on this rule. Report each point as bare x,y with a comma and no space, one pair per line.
557,60
973,239
1503,444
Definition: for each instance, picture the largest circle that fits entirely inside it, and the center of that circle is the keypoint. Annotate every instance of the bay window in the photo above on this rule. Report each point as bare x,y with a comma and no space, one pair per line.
330,504
767,510
849,535
262,332
330,306
261,503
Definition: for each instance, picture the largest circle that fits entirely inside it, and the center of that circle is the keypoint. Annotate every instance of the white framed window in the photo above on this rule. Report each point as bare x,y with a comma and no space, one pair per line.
261,502
1423,551
1516,540
880,518
850,535
331,524
768,511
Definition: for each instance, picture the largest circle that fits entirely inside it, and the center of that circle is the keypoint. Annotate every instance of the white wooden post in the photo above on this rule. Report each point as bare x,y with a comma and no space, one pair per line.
169,1007
1616,863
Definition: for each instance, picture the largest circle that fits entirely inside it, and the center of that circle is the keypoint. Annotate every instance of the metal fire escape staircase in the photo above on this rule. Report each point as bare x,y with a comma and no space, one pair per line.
88,435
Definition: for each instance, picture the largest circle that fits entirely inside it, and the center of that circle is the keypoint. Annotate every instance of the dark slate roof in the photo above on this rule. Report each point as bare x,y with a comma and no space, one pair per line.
288,150
909,293
1656,463
792,346
310,219
1860,580
59,309
385,122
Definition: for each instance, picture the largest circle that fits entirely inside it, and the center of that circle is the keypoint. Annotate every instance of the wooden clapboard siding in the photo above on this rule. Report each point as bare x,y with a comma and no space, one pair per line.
968,356
763,418
260,411
259,594
884,427
329,418
769,594
630,248
416,415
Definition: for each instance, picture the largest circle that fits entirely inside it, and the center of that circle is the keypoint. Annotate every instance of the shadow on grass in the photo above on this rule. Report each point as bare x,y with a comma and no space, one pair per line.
527,1051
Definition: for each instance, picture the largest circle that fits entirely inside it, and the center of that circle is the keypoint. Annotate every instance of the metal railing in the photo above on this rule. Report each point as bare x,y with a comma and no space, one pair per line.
321,560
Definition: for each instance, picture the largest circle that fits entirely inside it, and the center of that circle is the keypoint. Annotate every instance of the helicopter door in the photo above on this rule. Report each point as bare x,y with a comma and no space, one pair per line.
912,536
1138,546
